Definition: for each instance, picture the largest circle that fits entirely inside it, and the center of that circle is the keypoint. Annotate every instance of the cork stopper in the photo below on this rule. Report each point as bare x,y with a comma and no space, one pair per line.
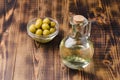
78,19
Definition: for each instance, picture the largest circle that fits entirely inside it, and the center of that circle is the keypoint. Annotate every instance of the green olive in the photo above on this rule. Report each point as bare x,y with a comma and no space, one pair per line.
46,32
39,20
39,32
52,24
45,26
52,30
32,28
38,23
46,20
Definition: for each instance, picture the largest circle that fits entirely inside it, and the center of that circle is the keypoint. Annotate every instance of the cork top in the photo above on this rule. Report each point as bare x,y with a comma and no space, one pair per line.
78,19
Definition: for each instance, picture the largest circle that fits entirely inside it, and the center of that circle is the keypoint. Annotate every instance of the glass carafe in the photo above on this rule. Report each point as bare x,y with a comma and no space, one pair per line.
76,49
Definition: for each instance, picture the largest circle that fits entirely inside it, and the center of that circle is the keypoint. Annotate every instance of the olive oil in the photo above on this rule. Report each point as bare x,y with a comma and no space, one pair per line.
76,56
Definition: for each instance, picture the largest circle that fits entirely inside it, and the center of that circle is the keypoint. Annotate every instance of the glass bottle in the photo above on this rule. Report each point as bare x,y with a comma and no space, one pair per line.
76,50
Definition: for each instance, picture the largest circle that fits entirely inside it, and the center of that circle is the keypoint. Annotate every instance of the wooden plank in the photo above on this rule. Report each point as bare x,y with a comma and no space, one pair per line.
7,55
2,65
46,65
25,48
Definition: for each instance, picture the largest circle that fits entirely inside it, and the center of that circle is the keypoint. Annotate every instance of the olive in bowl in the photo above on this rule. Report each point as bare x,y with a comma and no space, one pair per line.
42,30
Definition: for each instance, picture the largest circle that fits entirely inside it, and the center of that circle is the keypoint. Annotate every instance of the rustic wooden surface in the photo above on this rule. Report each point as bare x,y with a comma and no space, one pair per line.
21,58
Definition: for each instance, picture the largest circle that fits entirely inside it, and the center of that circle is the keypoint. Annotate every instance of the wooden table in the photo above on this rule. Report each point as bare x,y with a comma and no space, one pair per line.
22,58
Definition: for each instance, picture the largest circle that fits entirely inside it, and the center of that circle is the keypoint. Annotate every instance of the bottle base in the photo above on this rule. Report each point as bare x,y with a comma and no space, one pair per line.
77,66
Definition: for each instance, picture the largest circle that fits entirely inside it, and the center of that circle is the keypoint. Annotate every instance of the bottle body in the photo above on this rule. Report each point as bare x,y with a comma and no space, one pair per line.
76,54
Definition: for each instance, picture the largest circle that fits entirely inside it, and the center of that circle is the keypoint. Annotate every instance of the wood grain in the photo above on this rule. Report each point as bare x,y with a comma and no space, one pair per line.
22,58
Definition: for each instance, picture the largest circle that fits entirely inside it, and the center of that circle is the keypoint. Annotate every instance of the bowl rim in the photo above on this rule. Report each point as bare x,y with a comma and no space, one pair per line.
42,36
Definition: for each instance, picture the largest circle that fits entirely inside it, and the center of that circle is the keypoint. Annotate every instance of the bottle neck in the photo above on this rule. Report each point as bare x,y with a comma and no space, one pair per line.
77,32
